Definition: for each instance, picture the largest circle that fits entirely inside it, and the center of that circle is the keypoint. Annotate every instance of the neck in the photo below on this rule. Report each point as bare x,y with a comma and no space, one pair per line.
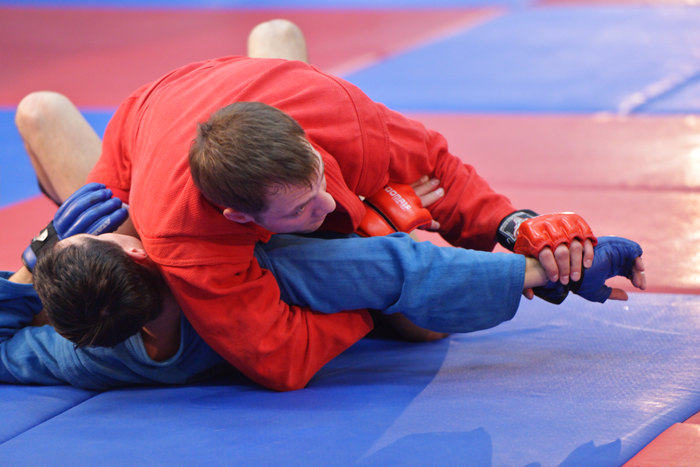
161,336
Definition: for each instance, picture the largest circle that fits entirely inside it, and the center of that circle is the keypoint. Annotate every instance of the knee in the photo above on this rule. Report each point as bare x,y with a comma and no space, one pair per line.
38,108
278,38
276,28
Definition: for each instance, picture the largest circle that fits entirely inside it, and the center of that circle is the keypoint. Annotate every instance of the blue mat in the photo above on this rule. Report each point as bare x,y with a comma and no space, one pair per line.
17,178
24,407
566,59
576,385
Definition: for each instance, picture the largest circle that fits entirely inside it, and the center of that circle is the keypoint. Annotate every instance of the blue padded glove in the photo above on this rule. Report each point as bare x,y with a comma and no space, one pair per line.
614,256
90,210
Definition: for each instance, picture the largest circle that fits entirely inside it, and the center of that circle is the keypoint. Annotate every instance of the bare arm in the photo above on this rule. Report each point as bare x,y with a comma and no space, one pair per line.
23,276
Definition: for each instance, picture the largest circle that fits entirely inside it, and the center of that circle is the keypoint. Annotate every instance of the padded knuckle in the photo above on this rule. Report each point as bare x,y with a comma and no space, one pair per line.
551,230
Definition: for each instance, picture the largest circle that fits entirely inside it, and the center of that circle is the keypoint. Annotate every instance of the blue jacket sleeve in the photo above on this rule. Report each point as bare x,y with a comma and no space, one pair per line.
443,289
38,355
21,360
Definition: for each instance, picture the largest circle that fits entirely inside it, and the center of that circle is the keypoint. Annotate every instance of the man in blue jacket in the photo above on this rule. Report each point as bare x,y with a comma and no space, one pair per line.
428,284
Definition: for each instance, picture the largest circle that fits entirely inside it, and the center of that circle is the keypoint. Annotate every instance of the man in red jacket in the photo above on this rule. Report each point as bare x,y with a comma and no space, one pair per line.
204,249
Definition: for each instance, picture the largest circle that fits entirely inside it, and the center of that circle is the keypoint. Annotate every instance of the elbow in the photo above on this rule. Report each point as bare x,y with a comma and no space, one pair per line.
287,384
281,382
289,387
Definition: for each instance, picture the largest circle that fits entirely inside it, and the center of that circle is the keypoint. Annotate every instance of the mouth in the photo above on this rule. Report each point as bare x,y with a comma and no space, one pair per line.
317,223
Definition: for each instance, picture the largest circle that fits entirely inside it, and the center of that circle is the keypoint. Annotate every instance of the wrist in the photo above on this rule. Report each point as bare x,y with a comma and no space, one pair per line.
22,276
507,233
535,275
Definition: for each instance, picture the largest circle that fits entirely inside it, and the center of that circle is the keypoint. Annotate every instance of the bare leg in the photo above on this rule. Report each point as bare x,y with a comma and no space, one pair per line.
62,146
278,38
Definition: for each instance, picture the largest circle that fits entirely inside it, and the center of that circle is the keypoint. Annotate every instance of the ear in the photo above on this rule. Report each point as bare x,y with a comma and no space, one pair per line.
137,254
235,216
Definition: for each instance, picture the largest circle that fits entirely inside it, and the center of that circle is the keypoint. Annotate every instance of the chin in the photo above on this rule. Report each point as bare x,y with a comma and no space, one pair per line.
313,227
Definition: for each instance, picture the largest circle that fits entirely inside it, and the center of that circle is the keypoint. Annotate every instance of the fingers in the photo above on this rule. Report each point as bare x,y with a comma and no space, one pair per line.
567,262
432,197
549,264
562,256
108,223
427,190
557,265
71,211
434,226
639,278
91,215
89,188
529,294
618,294
588,253
576,258
422,185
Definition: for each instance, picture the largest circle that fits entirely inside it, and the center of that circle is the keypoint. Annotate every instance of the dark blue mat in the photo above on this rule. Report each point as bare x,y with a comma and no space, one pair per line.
24,407
17,179
576,385
566,59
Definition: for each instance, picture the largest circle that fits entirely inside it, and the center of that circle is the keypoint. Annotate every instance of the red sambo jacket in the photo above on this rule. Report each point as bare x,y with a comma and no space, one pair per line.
208,261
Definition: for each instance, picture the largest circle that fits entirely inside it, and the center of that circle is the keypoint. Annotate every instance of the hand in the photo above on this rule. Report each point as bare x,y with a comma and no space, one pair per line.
90,210
563,242
614,256
429,192
566,262
394,208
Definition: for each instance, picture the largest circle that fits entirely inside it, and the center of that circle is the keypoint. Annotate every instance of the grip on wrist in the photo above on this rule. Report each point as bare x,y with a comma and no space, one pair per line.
551,230
507,232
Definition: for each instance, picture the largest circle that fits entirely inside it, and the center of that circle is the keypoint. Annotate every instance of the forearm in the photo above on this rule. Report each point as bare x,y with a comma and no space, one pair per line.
470,211
22,276
442,289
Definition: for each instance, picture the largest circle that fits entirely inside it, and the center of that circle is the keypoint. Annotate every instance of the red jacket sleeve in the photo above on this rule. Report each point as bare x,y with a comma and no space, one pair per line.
238,308
373,145
470,211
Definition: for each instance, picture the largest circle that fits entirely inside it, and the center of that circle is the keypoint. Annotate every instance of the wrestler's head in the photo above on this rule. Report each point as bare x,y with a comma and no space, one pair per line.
98,291
255,162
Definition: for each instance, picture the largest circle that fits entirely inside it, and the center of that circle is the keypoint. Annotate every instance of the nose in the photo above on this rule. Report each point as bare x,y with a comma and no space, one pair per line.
325,205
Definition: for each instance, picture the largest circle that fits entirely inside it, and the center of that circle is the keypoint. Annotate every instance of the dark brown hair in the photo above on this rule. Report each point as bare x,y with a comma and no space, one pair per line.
94,294
248,150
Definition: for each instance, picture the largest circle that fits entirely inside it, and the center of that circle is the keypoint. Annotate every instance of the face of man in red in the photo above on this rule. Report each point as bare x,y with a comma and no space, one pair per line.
293,209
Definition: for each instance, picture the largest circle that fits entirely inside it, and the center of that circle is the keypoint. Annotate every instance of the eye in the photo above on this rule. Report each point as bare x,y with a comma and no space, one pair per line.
299,211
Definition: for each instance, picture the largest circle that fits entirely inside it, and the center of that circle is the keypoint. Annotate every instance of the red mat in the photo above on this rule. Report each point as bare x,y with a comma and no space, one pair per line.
97,57
678,446
20,223
633,177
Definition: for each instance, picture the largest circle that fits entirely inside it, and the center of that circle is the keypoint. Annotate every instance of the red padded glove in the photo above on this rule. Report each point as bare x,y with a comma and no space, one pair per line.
551,230
394,208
